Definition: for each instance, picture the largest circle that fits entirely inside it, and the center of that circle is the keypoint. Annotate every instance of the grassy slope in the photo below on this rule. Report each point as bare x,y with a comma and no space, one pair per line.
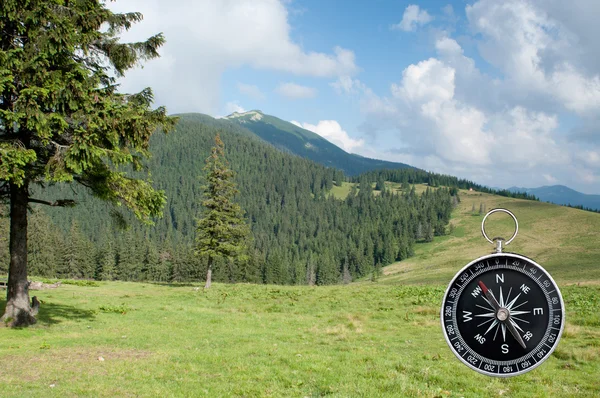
561,239
366,340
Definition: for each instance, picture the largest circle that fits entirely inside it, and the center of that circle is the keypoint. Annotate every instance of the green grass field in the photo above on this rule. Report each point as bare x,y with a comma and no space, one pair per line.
369,339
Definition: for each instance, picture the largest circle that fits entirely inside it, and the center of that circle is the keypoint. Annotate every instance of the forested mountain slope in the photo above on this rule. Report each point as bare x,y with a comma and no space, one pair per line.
289,137
301,233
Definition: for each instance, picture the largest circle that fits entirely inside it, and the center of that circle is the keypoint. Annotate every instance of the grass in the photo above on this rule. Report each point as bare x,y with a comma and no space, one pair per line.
371,340
341,192
365,339
563,240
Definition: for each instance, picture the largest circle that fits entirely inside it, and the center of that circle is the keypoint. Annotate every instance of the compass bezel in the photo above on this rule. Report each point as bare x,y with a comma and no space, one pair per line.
453,319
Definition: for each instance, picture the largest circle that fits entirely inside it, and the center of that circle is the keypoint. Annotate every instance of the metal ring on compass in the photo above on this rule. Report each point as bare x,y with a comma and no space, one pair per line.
503,211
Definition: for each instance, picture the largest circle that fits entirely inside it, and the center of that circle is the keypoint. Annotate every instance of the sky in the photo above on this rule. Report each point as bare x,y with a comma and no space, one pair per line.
504,93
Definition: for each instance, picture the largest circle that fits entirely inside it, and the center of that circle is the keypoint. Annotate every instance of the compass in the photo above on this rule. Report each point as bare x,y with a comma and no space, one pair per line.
502,314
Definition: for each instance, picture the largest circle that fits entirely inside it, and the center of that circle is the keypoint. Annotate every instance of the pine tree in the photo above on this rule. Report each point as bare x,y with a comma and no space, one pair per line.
221,231
62,119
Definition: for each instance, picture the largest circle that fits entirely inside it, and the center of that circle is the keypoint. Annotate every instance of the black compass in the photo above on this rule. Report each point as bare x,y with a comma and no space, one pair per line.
502,314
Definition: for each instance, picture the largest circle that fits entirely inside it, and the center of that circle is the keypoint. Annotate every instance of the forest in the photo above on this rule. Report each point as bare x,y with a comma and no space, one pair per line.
301,234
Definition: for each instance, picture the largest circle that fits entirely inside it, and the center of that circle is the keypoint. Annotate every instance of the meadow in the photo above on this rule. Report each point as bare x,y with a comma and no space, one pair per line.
377,338
372,340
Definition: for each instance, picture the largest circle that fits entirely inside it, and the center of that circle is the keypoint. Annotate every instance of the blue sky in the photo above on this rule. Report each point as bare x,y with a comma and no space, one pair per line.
501,92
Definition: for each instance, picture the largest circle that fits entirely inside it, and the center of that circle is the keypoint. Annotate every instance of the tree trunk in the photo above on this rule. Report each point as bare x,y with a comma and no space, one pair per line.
19,311
209,273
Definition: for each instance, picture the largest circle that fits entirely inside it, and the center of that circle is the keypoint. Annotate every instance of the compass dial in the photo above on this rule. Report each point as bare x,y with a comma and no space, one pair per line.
502,315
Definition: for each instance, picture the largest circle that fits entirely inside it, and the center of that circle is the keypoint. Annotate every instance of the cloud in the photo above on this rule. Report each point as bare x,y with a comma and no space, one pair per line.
413,17
206,37
333,132
251,91
534,51
233,106
424,113
295,91
444,114
348,85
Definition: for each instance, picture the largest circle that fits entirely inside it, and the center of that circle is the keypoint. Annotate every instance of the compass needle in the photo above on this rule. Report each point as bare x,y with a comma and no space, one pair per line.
502,314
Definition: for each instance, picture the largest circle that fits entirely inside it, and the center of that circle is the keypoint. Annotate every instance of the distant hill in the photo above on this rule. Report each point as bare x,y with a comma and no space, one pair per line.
291,138
561,195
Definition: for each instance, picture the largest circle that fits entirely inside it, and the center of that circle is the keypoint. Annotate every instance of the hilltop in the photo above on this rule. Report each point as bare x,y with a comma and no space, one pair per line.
291,138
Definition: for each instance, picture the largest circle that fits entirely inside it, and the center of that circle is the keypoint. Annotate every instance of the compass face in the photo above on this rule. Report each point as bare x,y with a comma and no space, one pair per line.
502,315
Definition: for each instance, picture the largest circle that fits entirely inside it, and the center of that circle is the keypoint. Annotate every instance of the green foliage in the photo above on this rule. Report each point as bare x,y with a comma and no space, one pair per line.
416,176
302,234
61,117
222,230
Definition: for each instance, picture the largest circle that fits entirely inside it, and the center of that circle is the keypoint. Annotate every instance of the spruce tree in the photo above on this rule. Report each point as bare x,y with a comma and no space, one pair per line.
63,120
221,231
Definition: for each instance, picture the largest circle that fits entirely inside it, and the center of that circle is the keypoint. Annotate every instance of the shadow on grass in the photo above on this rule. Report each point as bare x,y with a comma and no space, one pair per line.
52,314
176,284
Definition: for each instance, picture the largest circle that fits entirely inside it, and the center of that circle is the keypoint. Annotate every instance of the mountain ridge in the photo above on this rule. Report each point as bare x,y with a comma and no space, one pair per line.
562,195
291,138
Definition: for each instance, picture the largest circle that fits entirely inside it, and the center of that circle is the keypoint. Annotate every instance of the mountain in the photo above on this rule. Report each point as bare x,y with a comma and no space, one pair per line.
302,233
291,138
561,195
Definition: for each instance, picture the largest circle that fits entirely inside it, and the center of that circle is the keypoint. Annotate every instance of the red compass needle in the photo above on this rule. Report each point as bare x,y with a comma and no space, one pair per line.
488,294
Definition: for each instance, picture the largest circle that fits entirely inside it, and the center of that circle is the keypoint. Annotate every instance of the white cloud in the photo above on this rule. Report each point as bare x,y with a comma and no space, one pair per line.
348,85
206,37
251,91
233,106
550,178
295,91
413,16
534,51
333,132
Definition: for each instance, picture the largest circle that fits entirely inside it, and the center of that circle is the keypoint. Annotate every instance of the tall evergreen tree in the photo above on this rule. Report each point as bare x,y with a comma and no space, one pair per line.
222,230
62,119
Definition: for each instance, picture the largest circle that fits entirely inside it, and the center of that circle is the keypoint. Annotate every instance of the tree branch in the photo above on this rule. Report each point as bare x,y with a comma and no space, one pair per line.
57,203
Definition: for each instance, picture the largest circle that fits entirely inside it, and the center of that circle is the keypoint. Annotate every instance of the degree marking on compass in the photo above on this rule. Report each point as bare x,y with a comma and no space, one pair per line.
552,291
